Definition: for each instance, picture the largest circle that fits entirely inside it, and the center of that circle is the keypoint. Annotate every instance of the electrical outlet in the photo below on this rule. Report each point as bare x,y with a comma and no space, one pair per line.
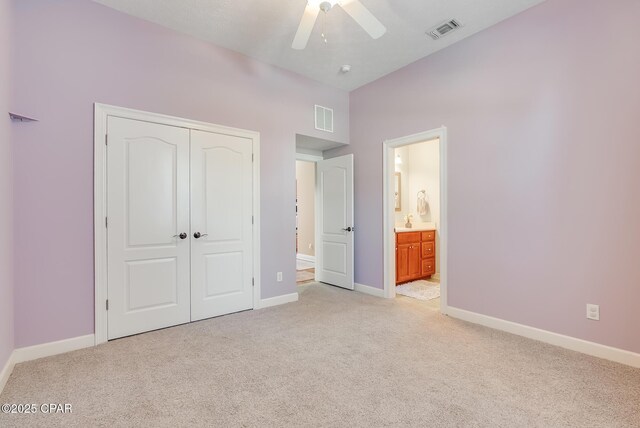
593,312
279,276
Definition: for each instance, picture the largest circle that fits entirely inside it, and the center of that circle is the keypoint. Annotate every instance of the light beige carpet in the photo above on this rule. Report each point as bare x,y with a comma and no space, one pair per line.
334,359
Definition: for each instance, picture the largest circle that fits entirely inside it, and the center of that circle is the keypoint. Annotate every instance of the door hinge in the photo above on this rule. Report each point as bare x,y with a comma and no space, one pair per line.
253,282
106,222
251,157
251,219
107,304
106,139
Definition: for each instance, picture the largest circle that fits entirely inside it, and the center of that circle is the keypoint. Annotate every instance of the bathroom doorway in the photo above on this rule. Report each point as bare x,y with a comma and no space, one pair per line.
415,218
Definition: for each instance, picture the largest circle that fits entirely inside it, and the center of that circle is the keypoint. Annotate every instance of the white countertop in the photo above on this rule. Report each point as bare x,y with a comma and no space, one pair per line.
417,227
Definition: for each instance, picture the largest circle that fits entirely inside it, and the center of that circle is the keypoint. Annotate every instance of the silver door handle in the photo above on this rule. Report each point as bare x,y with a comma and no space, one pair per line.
198,235
181,236
349,229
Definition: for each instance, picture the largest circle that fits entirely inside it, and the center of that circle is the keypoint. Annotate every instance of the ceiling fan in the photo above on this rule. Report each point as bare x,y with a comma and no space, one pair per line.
354,8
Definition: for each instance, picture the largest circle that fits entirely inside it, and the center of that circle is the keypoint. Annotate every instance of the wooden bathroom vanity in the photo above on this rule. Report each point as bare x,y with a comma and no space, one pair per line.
415,255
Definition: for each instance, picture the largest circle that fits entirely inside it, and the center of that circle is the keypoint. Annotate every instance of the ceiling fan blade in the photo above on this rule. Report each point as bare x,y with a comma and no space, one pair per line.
307,23
363,17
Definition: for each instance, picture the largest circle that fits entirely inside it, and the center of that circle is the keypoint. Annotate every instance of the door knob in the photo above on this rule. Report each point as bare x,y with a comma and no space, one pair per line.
200,235
181,236
349,229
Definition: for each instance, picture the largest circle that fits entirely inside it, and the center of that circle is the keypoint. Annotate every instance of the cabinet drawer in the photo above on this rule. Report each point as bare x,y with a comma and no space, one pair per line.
429,235
429,266
408,237
428,249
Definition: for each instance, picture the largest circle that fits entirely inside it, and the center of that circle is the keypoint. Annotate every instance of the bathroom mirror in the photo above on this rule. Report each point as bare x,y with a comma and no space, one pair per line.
398,192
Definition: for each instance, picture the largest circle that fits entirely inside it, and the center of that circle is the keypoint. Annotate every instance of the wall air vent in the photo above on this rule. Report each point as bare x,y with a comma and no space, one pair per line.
324,118
445,28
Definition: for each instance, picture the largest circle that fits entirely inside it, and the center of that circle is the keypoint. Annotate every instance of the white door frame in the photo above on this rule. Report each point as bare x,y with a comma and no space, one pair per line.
388,168
101,113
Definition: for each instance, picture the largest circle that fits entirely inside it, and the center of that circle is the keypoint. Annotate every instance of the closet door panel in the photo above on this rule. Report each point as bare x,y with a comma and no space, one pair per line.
147,205
221,224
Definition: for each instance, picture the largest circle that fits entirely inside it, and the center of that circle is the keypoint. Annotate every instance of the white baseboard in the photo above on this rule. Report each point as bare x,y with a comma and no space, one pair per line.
579,345
34,352
29,353
306,258
367,289
6,372
278,300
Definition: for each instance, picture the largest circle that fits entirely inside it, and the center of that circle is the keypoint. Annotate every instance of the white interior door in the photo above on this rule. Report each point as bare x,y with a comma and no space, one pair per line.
221,224
334,248
148,209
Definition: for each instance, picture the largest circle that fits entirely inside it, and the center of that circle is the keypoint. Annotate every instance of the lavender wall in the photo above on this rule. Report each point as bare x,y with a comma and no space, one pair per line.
73,53
543,121
6,197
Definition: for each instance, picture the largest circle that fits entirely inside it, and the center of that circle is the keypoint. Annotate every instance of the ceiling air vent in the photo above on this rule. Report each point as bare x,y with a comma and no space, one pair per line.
445,28
324,118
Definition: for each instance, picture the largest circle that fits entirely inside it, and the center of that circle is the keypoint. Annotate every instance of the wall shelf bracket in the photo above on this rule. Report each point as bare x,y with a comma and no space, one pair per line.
20,118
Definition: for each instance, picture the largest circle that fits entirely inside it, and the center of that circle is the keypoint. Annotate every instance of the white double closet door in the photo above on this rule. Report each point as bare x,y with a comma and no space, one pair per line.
179,234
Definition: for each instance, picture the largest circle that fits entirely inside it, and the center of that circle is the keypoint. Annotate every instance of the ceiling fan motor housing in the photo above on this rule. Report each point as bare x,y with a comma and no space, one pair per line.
326,6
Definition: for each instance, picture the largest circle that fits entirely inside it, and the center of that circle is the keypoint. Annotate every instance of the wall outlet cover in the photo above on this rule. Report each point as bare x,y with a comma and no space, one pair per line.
593,312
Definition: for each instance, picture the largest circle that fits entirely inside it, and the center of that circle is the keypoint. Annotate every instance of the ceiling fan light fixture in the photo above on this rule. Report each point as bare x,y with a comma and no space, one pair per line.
369,23
318,3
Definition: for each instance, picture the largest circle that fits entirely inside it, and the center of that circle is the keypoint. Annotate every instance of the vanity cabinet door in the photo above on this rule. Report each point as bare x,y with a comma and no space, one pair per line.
402,262
408,262
414,261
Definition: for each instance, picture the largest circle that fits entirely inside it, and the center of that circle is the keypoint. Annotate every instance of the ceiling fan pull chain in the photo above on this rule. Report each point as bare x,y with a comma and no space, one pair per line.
324,22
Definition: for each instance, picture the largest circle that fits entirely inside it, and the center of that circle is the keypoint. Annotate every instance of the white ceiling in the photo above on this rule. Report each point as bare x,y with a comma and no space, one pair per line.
264,29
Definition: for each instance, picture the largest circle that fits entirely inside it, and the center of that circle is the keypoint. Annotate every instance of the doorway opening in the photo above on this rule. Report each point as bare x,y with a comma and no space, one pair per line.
415,221
324,214
305,221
